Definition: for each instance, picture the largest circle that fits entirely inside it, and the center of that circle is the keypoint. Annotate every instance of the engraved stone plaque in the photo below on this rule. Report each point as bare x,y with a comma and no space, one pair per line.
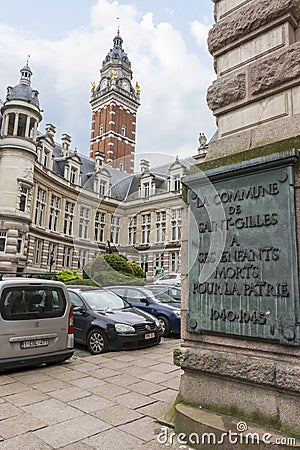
243,270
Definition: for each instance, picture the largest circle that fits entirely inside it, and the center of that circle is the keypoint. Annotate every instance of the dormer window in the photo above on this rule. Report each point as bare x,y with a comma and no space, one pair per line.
146,189
177,183
102,187
73,175
45,158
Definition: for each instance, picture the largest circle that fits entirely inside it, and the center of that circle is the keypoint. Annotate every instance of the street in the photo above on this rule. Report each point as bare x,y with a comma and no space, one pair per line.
106,402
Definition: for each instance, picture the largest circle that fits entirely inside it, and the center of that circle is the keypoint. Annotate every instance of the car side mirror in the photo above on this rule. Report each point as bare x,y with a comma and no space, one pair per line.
144,300
80,309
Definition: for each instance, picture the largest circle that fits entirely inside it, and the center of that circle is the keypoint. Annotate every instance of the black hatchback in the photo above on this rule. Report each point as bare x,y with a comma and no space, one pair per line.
104,321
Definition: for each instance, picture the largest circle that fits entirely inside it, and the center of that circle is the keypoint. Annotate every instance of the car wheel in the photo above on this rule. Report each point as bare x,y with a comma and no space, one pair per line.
97,342
165,326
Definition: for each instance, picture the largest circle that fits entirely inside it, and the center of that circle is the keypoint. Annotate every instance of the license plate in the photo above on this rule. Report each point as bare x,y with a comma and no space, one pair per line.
34,343
149,335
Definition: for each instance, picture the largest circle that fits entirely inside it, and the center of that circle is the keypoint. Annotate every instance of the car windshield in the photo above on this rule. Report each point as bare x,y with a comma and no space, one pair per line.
160,296
162,291
104,300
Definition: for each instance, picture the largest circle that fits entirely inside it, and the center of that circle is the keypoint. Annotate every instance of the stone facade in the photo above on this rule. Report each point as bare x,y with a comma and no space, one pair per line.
59,208
255,45
255,100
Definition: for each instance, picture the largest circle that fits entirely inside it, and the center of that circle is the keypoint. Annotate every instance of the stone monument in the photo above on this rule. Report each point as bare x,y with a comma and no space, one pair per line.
240,307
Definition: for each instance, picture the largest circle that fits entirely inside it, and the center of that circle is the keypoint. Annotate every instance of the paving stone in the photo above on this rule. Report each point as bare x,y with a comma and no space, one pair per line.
135,370
14,426
143,362
133,400
125,357
76,446
114,439
168,395
26,398
157,410
165,368
49,386
32,377
91,403
85,367
71,431
4,379
145,428
146,387
117,415
104,373
115,364
155,377
24,442
70,393
70,375
173,383
13,388
109,390
52,411
7,410
87,382
124,380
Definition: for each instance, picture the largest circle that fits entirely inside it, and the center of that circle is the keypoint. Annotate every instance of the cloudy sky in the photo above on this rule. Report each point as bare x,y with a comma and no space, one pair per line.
67,41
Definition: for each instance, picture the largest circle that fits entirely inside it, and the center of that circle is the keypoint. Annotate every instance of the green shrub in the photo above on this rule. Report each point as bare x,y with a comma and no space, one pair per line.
137,270
67,275
112,269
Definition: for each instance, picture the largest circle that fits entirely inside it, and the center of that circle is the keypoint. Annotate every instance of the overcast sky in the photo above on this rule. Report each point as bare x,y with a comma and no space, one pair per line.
67,41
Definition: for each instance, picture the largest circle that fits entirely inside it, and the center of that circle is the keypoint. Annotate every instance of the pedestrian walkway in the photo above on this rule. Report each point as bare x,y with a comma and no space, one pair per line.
106,402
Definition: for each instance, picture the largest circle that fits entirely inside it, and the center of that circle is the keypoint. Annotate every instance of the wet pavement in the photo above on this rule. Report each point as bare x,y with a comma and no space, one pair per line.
108,402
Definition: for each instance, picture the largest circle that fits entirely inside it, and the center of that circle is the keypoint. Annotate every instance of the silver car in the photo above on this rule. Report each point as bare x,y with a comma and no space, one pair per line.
36,322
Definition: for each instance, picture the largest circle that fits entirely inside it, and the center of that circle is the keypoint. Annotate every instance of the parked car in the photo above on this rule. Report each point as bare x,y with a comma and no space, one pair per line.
36,322
103,321
170,278
159,304
172,291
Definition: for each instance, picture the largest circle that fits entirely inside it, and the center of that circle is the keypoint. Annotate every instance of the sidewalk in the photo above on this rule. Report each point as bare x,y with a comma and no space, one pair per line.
106,402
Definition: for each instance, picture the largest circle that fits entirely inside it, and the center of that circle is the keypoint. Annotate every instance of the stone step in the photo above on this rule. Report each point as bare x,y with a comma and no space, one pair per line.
198,428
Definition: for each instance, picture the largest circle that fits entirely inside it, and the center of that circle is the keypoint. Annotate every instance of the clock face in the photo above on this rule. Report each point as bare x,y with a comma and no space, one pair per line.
125,85
104,83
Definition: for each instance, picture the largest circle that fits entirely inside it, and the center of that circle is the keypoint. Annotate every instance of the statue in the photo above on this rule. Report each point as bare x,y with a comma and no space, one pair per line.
93,86
108,250
114,74
137,88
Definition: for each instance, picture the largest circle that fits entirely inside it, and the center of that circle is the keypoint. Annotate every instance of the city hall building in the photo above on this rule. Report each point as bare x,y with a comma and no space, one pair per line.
59,209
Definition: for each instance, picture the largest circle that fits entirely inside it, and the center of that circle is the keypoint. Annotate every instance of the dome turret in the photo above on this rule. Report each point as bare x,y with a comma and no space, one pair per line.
23,90
117,53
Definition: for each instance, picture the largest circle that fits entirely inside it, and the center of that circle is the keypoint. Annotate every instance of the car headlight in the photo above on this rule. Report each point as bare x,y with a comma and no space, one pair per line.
177,313
123,328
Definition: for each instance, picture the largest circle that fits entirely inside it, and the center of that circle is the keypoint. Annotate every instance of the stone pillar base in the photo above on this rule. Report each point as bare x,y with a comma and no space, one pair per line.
256,389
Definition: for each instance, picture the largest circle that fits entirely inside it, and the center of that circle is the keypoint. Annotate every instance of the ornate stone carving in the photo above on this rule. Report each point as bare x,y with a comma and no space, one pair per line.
227,90
276,70
248,19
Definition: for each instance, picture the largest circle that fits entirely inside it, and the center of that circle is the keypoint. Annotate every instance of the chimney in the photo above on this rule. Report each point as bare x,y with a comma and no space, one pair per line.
50,129
65,145
99,157
144,165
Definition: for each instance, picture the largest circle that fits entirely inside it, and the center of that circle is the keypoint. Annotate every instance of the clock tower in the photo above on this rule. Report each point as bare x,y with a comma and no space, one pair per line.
114,104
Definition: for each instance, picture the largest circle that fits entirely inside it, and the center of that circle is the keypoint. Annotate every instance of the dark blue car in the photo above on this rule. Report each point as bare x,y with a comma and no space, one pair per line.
157,303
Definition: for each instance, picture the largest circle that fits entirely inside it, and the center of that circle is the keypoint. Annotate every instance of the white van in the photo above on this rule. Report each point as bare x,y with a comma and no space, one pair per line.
36,322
